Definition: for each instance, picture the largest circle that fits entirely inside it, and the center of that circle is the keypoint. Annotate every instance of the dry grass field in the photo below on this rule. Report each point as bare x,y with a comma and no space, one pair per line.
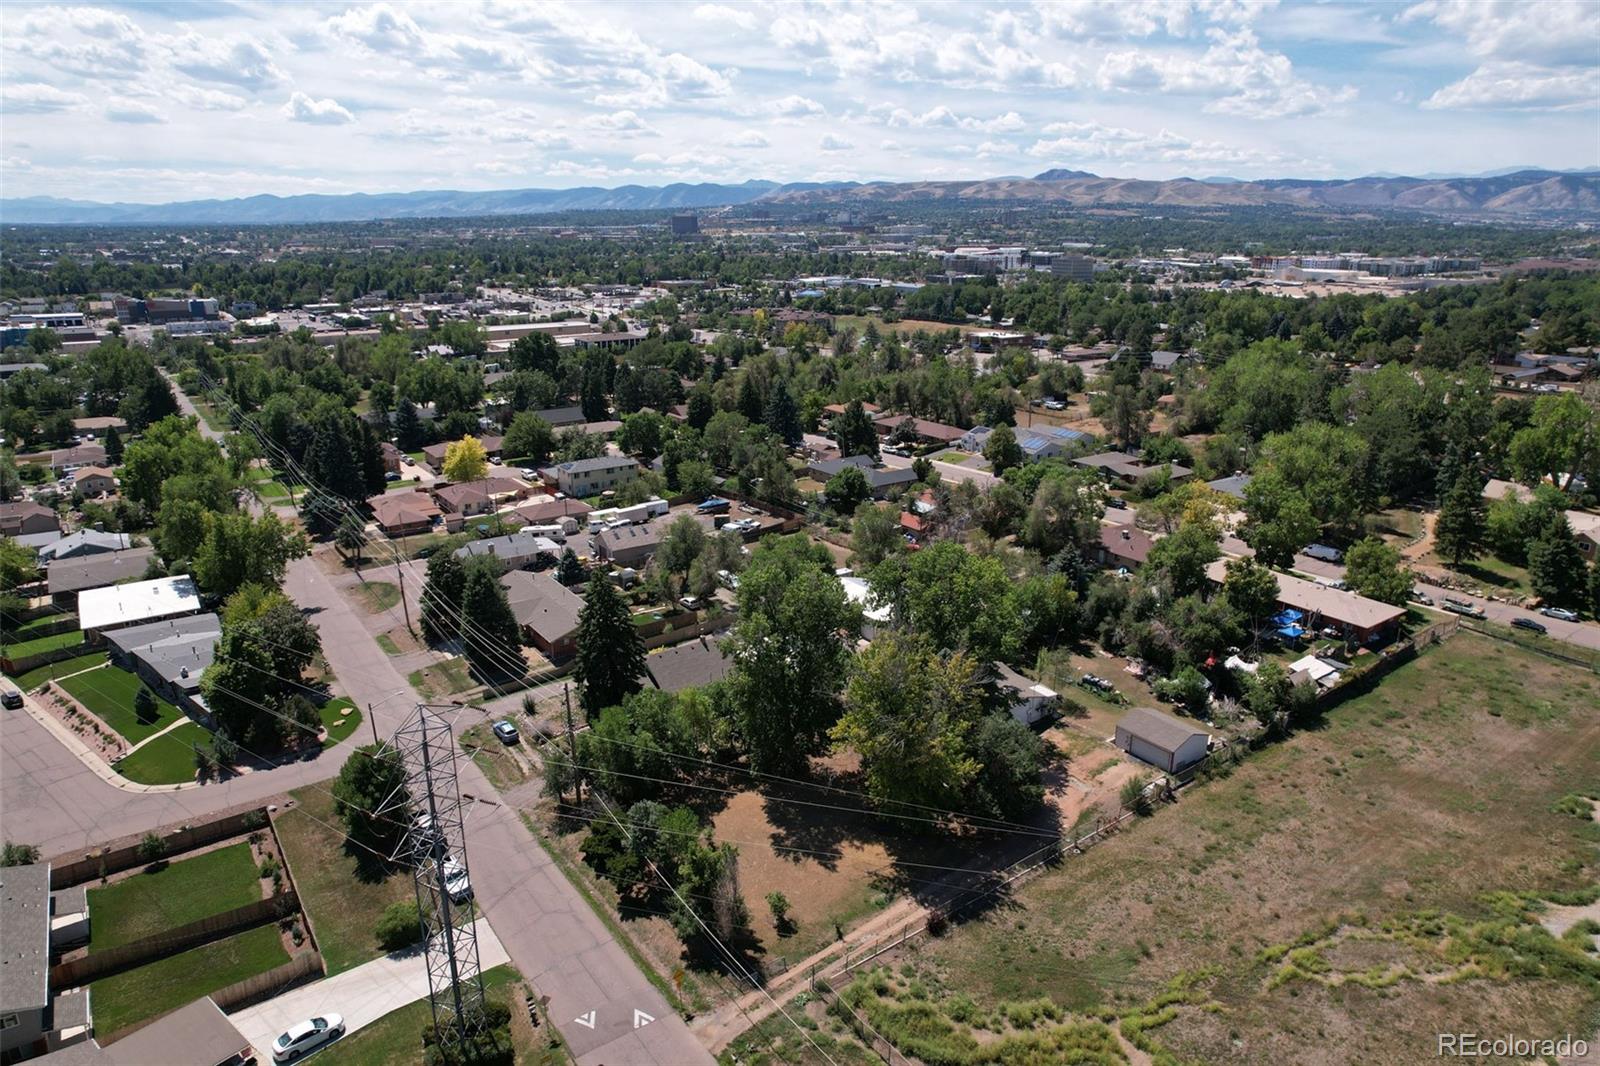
1340,897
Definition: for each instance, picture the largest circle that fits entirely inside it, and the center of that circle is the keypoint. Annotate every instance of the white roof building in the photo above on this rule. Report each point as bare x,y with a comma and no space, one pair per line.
140,601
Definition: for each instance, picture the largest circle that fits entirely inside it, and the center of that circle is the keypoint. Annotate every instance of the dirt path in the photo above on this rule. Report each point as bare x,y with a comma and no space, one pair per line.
1423,544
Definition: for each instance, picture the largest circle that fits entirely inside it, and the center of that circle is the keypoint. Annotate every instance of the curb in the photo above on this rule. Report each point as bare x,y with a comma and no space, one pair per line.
90,759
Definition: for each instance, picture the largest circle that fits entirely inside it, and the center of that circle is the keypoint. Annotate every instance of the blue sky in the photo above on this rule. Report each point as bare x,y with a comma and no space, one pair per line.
154,102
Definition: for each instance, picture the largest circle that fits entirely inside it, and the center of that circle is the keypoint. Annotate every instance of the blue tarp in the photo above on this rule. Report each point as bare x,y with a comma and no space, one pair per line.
1291,632
1286,616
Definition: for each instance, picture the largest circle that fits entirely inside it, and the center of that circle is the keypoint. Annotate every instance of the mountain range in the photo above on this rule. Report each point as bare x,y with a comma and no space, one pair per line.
1522,192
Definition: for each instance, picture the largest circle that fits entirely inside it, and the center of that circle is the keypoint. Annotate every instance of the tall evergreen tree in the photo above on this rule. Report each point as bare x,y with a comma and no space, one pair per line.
701,408
1462,525
569,571
749,398
113,446
596,383
441,597
408,430
491,639
372,468
853,432
334,460
1555,565
610,654
782,416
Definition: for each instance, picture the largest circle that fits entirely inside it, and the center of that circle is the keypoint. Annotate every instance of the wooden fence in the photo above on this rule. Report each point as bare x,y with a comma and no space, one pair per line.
124,957
65,873
264,986
44,658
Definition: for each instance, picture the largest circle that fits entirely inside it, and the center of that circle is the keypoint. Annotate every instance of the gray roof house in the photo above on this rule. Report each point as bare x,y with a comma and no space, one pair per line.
170,654
585,477
85,542
515,550
880,479
1230,486
562,416
1167,360
546,610
69,576
690,665
25,965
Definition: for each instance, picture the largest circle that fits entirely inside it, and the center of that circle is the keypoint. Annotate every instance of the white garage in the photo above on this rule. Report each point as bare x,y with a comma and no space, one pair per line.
1161,740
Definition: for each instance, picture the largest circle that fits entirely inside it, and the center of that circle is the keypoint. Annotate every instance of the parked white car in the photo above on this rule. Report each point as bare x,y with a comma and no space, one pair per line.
306,1037
455,881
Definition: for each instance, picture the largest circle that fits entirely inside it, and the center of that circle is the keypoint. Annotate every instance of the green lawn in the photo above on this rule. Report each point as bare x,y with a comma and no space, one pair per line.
170,983
342,898
396,1038
176,894
339,727
378,596
110,693
386,642
166,760
50,671
21,649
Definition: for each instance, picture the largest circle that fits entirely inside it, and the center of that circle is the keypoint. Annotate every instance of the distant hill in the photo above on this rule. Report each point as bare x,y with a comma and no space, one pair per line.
1526,192
1523,192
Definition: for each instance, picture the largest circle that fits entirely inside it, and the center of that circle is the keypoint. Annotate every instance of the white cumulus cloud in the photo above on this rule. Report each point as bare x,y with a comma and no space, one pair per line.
327,112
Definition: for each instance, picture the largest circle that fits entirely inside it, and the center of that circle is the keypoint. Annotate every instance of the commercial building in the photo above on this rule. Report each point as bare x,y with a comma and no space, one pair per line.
685,224
164,312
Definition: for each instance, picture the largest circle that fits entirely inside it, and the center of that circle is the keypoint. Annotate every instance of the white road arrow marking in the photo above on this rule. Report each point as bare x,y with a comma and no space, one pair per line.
587,1020
641,1019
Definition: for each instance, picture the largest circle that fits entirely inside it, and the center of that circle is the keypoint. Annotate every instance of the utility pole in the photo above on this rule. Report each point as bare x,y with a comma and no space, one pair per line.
400,572
374,723
572,747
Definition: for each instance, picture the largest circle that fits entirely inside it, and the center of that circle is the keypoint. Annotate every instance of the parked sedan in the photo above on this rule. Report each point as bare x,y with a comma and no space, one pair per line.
305,1037
1559,613
505,731
1529,624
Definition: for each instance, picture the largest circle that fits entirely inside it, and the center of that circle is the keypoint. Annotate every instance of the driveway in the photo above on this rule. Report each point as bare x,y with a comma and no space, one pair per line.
361,996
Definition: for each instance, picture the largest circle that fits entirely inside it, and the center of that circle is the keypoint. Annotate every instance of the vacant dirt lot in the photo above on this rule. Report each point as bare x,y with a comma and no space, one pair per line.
1423,796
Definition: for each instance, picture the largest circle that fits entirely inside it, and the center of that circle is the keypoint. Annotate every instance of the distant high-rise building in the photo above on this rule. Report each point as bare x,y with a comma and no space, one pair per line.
685,224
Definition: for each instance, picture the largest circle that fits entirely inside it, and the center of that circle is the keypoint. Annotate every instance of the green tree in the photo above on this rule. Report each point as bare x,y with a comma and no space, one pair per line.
351,538
237,548
491,638
569,571
1002,450
371,799
908,712
1461,527
1328,464
853,432
791,652
847,489
696,479
1278,519
782,415
1011,760
638,744
610,658
1251,590
1179,560
643,433
1065,512
441,597
1267,694
958,600
1373,569
1555,565
1187,688
18,565
113,446
874,535
528,437
1560,442
145,708
13,854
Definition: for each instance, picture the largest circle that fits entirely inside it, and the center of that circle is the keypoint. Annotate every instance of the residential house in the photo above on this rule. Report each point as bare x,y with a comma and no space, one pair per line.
480,497
560,417
514,550
834,410
587,477
1586,529
1028,701
975,438
68,578
404,514
1361,619
433,454
1230,486
925,431
37,926
23,517
1168,361
1127,469
99,424
104,609
693,664
1161,740
83,543
1047,442
198,1034
63,458
94,480
881,480
170,655
1123,546
392,456
1495,489
627,545
546,610
549,511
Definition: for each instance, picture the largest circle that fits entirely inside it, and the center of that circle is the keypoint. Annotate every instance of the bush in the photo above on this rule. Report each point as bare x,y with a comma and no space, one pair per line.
151,848
492,1044
145,708
399,926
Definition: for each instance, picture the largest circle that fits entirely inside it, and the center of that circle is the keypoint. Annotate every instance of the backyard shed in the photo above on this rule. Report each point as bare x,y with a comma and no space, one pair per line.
1161,740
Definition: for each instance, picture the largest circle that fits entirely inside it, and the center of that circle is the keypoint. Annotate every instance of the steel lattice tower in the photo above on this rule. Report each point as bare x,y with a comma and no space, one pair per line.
436,849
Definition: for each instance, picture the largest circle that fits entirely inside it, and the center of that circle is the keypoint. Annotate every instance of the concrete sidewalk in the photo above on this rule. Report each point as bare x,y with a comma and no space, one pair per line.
361,996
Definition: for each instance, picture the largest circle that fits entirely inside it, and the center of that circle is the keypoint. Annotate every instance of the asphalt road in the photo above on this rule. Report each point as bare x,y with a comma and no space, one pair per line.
552,935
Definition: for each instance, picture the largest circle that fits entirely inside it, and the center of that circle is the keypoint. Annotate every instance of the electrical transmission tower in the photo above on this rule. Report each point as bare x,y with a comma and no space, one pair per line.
436,847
